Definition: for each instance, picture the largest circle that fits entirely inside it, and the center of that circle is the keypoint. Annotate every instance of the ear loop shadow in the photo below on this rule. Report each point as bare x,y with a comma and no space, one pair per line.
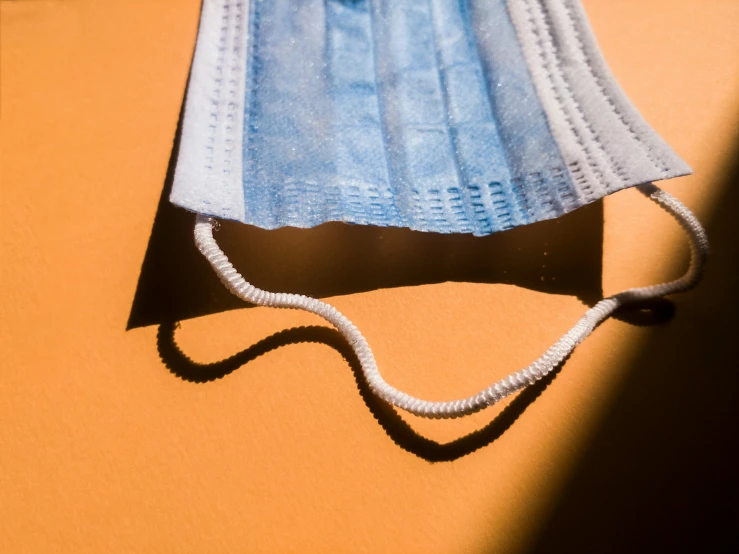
399,431
347,340
647,313
516,381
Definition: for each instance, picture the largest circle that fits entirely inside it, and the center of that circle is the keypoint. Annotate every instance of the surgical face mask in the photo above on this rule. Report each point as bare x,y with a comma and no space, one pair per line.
446,116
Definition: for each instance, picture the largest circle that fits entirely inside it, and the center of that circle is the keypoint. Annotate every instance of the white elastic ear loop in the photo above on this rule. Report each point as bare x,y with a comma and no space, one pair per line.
508,385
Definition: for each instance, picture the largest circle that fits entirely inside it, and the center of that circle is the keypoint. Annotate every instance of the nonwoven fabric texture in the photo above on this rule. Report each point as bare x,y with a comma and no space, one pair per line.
452,116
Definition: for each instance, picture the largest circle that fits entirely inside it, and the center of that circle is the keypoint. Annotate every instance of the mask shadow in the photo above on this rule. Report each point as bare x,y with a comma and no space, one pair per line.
560,256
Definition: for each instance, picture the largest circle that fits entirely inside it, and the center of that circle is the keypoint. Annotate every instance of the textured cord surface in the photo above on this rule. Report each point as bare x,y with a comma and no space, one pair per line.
547,362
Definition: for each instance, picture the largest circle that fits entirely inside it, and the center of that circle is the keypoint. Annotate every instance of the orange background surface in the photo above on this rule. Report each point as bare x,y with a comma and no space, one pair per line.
246,430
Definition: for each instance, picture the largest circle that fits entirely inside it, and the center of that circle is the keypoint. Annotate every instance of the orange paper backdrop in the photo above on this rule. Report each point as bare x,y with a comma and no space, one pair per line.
246,430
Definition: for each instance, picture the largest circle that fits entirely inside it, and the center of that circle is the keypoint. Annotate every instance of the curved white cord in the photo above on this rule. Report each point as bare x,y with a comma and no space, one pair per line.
508,385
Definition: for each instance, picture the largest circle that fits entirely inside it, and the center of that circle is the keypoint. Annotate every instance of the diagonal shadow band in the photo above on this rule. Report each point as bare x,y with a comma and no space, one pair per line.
400,432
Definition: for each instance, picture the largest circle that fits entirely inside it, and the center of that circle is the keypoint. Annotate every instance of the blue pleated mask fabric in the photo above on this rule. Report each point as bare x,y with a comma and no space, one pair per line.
451,116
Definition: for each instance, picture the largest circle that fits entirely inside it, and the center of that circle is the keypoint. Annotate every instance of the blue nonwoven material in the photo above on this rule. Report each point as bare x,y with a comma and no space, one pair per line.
393,113
451,116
